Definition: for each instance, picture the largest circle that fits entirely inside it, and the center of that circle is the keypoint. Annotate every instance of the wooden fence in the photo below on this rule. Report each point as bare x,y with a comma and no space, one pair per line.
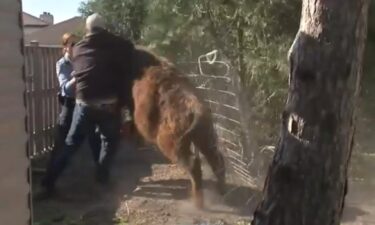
41,97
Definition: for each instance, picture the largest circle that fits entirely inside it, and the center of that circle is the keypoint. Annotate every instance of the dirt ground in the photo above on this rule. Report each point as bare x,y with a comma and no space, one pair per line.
147,190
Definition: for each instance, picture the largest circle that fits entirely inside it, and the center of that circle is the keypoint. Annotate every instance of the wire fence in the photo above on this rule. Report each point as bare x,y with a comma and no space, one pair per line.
220,85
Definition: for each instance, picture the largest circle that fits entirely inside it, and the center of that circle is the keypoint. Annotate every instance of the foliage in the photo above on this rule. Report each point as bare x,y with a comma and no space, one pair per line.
254,35
123,17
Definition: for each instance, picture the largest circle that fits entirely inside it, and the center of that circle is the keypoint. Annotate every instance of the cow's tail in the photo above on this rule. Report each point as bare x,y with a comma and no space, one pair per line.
188,135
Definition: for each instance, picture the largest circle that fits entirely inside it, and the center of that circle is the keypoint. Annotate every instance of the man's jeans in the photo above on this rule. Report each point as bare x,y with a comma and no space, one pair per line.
62,129
85,118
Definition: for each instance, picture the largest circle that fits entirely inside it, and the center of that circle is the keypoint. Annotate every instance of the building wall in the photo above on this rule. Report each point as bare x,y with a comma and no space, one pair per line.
29,30
14,163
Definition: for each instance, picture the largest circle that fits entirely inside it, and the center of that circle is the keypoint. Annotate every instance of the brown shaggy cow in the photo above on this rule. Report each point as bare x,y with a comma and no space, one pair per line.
169,113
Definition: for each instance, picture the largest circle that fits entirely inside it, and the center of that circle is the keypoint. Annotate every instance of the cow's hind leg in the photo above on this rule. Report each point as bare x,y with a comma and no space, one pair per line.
191,163
214,158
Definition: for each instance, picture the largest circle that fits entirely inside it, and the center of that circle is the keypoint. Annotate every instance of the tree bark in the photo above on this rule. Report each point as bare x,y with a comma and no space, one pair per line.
307,180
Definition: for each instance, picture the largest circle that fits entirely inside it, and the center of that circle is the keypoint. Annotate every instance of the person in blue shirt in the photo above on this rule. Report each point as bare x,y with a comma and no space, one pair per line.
64,70
66,96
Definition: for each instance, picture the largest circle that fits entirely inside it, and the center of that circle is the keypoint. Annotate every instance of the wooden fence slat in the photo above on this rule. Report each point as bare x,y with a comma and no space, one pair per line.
37,81
57,105
29,111
43,97
46,99
51,96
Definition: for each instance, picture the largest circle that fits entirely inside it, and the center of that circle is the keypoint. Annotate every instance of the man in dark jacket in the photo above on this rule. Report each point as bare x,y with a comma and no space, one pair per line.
101,62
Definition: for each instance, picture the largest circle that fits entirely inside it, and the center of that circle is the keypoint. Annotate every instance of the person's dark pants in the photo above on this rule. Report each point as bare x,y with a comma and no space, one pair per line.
85,118
62,129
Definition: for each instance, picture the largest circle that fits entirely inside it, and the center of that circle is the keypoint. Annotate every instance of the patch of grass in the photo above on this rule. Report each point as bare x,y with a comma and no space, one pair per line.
120,221
243,222
60,220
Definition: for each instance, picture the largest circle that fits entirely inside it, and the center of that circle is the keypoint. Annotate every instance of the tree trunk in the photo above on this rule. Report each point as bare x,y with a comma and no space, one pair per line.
307,180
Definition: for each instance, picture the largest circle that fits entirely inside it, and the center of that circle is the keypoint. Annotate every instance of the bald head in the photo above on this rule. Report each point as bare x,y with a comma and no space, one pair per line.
93,22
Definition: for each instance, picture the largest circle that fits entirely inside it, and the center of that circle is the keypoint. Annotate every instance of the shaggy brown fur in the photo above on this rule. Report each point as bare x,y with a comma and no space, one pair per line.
168,112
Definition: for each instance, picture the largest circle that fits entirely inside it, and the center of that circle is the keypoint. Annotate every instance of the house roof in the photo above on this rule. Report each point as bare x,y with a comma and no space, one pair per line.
51,35
30,20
